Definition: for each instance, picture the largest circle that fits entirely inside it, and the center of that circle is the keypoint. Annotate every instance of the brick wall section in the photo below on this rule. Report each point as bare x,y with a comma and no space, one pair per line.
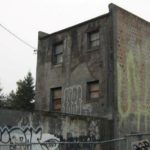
133,72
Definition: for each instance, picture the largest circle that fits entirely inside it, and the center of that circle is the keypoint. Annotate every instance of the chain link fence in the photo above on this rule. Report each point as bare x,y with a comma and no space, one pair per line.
129,142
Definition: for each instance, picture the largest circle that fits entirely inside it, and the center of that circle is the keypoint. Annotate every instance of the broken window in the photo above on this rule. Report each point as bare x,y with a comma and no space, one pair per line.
94,39
93,90
56,99
58,53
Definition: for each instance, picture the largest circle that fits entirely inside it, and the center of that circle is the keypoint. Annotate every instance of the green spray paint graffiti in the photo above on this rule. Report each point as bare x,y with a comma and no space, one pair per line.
134,85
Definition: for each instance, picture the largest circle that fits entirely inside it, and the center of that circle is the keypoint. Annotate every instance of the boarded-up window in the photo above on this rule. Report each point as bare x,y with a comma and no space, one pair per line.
93,90
94,39
58,53
56,98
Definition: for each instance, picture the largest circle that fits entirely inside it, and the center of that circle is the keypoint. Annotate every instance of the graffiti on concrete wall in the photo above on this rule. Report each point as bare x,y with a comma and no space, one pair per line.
27,138
134,76
94,129
72,99
81,146
78,128
78,131
141,145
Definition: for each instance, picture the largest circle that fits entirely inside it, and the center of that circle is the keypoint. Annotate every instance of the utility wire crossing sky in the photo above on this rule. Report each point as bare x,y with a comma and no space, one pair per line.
17,37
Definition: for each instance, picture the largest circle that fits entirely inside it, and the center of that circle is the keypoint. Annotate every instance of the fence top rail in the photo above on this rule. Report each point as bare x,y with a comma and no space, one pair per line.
64,142
137,134
77,142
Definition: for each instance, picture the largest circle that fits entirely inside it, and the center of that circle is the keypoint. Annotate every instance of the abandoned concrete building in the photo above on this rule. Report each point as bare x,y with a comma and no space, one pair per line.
93,81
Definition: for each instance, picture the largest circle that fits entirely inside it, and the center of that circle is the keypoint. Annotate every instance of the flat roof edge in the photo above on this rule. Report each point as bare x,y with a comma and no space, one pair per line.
113,6
76,25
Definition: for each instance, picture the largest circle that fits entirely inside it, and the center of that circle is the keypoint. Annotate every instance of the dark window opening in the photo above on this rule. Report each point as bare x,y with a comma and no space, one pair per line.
58,53
94,40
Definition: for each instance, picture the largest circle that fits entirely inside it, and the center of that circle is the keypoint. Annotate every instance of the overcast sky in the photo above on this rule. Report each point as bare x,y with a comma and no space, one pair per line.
26,17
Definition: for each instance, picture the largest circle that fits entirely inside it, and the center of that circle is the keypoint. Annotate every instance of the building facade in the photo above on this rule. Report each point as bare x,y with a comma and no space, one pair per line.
98,68
73,69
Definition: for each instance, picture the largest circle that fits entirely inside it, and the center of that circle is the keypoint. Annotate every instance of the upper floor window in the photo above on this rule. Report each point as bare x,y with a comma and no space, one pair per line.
93,90
94,39
56,98
58,53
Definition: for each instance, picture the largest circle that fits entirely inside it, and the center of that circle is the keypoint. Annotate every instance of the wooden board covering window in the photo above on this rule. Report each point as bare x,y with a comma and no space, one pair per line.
56,98
93,90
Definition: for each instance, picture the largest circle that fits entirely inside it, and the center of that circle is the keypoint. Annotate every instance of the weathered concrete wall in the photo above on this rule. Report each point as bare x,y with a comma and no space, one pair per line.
132,55
80,66
46,126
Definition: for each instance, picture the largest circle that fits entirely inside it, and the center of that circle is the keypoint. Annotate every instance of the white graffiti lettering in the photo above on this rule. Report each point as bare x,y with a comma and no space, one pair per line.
72,100
28,138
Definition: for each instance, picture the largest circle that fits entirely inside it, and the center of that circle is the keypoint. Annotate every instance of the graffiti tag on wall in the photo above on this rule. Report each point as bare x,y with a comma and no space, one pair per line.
72,99
26,136
141,145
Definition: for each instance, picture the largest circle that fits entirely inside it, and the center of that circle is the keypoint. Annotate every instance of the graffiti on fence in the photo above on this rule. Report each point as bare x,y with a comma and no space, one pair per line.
15,136
141,145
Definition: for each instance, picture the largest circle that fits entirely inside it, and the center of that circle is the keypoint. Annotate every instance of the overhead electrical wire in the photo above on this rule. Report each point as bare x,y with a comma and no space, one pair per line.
17,37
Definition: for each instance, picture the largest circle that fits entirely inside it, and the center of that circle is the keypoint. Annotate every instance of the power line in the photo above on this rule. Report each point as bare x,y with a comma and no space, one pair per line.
17,37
